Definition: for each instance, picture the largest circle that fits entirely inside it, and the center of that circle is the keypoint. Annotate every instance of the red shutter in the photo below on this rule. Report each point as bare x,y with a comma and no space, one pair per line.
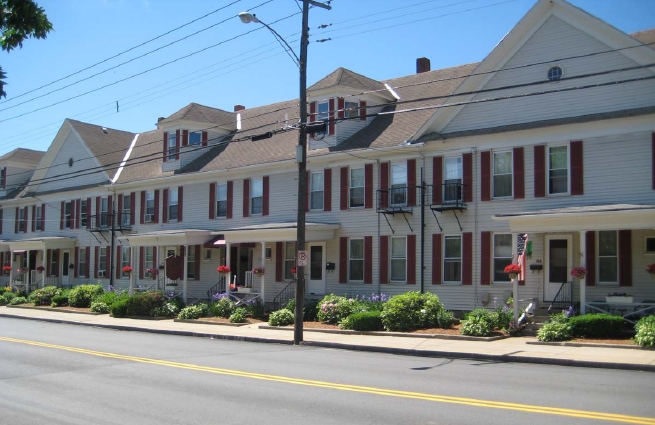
411,182
230,196
279,261
119,213
204,138
118,261
156,217
368,259
110,209
142,262
142,213
436,259
212,201
331,123
590,242
485,258
246,197
61,215
467,258
164,214
343,259
485,176
312,111
362,110
384,259
185,137
343,189
327,189
77,262
97,262
78,213
108,262
43,215
368,186
97,211
341,104
177,144
467,168
132,208
4,178
197,264
266,192
87,266
16,220
180,203
48,260
33,218
539,171
519,173
437,180
411,259
164,150
577,169
625,258
384,185
25,213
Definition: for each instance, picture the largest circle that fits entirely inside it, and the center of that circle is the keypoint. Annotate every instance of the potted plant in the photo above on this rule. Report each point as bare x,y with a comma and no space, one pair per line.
619,298
513,270
40,269
223,269
650,269
579,272
293,271
127,270
259,271
153,272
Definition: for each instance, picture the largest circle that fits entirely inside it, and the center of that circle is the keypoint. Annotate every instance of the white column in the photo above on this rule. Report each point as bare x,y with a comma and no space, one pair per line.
515,281
186,264
45,266
134,270
228,277
28,279
583,262
263,277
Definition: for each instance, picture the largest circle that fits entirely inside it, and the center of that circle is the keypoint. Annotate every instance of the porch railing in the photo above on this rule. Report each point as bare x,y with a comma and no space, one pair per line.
285,295
219,288
563,299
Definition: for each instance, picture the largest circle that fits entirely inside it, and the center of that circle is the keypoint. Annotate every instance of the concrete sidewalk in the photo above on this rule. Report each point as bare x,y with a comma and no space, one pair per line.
520,350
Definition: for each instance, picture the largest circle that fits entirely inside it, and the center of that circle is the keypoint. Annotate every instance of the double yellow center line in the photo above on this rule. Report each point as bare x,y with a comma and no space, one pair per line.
355,388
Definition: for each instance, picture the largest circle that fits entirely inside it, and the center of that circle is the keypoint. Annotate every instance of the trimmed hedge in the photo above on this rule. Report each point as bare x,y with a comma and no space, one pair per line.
281,318
413,310
596,326
365,321
59,301
82,295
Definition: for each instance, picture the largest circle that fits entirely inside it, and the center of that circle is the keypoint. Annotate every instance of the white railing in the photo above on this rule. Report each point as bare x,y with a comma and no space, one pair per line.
36,280
248,278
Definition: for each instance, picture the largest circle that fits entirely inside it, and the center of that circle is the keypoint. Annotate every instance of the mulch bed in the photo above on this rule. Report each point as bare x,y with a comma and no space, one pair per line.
219,320
611,341
49,308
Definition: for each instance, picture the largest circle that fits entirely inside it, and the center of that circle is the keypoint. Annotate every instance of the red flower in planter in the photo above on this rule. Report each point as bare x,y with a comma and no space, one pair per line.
513,269
650,268
293,270
127,269
223,269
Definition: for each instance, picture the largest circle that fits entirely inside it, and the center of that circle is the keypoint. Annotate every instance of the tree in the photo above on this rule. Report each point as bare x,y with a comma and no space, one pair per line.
20,20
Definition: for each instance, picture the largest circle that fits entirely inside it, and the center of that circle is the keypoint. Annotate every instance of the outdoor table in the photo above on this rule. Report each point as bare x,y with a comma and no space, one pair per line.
629,311
242,298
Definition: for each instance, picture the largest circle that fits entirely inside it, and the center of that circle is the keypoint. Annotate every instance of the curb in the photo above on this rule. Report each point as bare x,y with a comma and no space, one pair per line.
24,307
208,322
588,344
371,349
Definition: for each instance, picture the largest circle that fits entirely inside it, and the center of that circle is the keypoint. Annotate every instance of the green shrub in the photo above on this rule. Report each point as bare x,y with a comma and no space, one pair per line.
310,309
109,297
445,319
558,318
3,301
99,307
18,301
411,310
239,316
478,312
255,309
645,329
554,332
9,296
145,304
119,307
168,309
596,326
478,325
333,308
44,296
281,318
223,308
59,300
364,321
82,295
193,312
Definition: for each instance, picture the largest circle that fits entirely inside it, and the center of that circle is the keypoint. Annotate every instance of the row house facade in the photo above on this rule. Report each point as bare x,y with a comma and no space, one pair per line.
543,154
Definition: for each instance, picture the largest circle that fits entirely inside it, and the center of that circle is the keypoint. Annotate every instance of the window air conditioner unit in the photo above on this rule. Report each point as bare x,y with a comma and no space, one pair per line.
148,218
101,273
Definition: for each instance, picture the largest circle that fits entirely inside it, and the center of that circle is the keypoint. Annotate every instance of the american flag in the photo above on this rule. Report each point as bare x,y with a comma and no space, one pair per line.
521,244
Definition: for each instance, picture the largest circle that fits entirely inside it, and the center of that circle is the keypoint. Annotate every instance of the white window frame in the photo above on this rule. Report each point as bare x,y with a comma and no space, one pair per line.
68,215
84,208
171,146
21,220
148,260
191,262
397,259
452,259
398,186
352,259
54,262
351,188
81,265
646,251
125,260
323,115
315,192
102,260
568,169
173,201
351,109
192,133
150,200
495,256
39,216
616,259
208,254
446,180
127,210
221,196
104,212
259,184
494,174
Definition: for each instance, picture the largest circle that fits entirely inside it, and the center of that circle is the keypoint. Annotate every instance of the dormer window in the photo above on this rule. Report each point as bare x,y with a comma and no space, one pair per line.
323,110
195,138
351,110
171,146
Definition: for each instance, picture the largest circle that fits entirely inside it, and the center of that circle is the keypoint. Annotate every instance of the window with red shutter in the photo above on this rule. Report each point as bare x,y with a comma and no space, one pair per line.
436,259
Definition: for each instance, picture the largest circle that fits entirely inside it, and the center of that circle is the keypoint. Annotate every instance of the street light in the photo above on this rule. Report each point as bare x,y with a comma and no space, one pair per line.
301,151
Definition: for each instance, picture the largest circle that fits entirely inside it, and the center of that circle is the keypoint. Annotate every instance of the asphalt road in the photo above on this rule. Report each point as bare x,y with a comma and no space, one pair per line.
67,374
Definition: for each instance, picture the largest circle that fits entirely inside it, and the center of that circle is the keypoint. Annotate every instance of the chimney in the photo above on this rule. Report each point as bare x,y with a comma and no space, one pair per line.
422,65
238,108
160,119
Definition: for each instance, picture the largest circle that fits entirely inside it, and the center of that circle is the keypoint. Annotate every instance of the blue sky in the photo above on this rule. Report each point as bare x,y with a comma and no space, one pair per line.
378,38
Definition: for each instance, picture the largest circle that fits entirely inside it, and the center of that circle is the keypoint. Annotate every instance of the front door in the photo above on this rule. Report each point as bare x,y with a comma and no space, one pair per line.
65,261
315,270
559,261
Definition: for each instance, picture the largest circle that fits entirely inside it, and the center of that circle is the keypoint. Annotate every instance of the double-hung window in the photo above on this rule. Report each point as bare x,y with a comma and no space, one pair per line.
356,260
171,146
351,110
150,206
558,169
452,179
102,262
104,212
289,259
323,110
21,220
221,200
316,191
172,205
195,138
191,263
398,184
81,262
83,212
68,215
127,210
608,257
398,259
149,260
502,179
125,261
356,187
256,196
452,260
39,216
502,256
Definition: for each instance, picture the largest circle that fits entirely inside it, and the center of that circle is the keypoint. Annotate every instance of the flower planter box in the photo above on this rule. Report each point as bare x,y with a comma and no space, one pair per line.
243,289
619,300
